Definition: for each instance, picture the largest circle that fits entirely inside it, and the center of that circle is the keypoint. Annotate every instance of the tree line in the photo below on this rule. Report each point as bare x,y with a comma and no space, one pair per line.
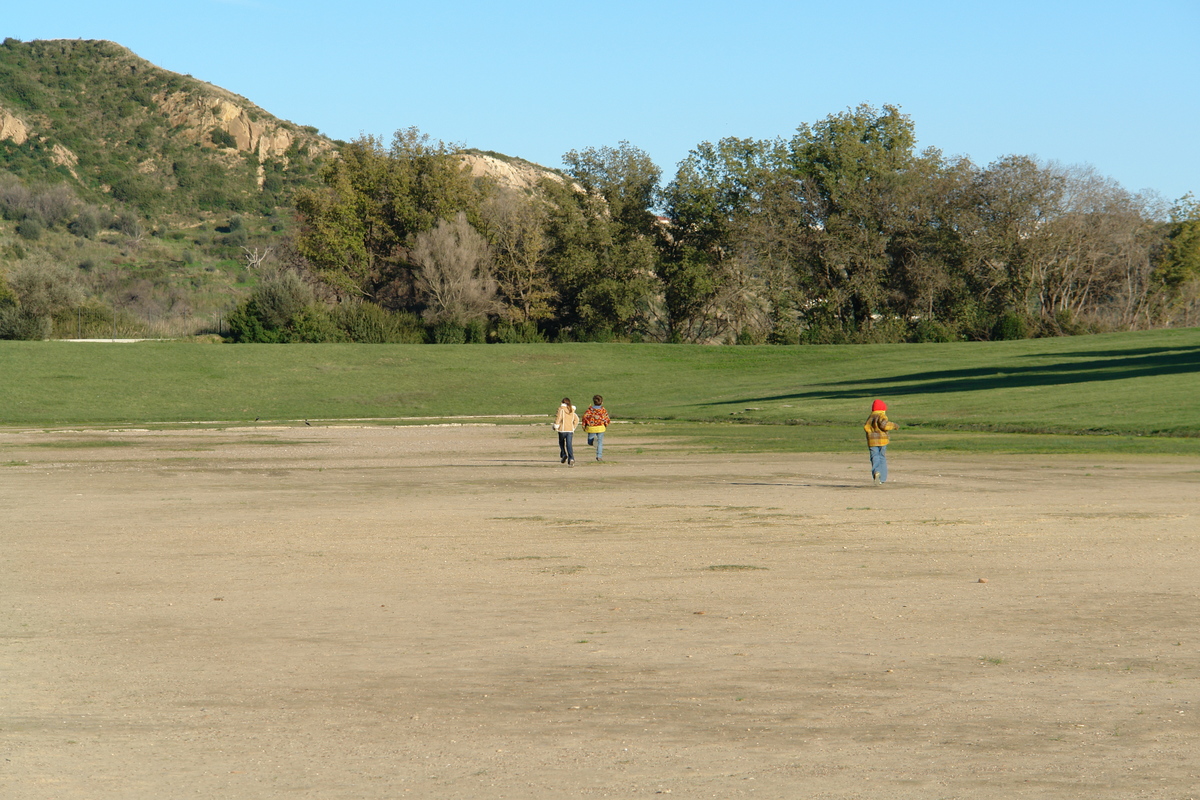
843,232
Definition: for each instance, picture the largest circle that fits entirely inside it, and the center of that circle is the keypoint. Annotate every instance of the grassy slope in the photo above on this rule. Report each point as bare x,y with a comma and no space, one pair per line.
1136,385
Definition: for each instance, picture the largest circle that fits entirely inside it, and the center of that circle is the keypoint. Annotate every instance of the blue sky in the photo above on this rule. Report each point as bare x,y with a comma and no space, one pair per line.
1113,85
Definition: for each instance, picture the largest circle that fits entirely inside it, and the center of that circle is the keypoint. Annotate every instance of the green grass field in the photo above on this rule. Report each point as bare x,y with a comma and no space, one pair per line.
1133,392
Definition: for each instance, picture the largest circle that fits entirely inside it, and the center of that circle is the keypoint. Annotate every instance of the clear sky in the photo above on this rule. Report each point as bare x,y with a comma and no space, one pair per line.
1112,84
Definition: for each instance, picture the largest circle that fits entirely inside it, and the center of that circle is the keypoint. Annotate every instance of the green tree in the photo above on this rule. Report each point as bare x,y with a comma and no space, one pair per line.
856,165
358,228
602,229
1179,261
928,279
515,226
1015,198
714,205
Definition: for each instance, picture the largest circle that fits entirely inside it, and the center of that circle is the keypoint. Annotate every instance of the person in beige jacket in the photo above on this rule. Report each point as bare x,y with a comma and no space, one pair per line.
565,422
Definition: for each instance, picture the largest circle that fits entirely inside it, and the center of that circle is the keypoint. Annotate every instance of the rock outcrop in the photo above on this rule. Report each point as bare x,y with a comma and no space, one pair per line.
512,173
12,128
250,130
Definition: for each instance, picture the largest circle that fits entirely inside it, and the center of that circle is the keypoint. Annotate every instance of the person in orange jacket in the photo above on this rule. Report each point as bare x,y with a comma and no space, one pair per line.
595,423
877,427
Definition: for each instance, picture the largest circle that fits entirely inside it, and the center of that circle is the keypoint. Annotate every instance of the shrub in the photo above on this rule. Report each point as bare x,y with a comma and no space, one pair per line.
90,319
1009,326
1064,322
128,224
748,336
42,288
368,323
882,331
222,138
55,204
236,239
313,325
16,201
447,332
86,223
30,228
282,308
475,331
280,297
517,333
245,325
16,323
932,330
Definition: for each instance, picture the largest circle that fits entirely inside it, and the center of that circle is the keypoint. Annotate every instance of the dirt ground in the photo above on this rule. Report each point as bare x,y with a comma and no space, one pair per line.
448,612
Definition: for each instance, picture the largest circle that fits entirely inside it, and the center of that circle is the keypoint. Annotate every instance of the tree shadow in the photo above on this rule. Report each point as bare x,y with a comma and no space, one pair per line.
1109,365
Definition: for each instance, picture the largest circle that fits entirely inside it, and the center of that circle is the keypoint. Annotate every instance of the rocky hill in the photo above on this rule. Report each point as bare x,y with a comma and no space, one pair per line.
155,197
122,128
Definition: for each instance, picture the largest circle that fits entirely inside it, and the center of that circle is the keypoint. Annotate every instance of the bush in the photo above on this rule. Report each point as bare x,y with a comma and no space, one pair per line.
222,138
56,204
748,336
91,319
448,333
517,333
313,325
1010,326
370,324
15,323
236,239
42,287
273,310
245,325
475,332
128,224
16,201
882,331
1064,323
281,297
932,330
86,224
30,228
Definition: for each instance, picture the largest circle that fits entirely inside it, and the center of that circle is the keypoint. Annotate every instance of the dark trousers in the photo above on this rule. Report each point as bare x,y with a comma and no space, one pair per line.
565,448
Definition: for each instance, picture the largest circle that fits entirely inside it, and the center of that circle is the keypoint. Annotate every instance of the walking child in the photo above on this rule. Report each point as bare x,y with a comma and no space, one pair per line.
565,422
877,427
595,422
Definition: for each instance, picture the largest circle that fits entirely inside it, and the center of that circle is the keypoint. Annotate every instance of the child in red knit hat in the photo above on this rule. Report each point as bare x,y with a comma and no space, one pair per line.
877,428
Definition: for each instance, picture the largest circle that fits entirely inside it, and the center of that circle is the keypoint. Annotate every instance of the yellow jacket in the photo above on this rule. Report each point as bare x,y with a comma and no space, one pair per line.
877,427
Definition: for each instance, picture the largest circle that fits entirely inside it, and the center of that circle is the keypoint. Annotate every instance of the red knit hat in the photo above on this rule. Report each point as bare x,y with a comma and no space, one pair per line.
879,405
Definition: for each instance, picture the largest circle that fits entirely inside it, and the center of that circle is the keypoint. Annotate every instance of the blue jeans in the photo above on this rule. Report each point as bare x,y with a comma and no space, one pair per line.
599,440
879,462
565,450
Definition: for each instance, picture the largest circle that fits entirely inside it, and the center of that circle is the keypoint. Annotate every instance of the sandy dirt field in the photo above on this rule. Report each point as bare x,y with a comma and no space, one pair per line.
448,612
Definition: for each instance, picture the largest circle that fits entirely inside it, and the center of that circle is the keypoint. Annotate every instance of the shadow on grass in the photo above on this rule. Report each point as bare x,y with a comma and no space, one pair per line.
1102,366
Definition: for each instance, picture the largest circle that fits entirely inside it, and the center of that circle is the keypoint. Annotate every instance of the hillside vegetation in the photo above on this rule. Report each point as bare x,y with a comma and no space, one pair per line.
134,200
123,130
1132,391
140,201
